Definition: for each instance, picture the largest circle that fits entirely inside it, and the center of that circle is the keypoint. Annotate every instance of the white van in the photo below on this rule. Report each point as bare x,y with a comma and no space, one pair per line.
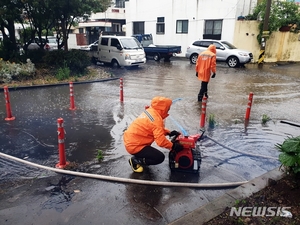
119,51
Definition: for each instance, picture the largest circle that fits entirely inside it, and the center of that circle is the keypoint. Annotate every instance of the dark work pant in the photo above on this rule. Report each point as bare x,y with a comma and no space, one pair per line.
203,91
150,156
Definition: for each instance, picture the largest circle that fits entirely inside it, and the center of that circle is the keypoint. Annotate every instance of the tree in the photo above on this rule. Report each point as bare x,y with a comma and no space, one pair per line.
43,15
67,12
10,12
281,14
39,15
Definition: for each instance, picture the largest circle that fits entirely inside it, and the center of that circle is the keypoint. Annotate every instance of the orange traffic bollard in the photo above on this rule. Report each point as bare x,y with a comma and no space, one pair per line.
61,144
250,98
121,90
8,109
72,101
203,112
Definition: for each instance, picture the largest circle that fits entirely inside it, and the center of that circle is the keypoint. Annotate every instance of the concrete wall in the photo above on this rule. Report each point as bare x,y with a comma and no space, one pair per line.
281,46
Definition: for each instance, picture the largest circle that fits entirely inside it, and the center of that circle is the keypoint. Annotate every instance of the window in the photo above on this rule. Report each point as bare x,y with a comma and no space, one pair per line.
120,4
213,29
104,41
114,42
205,44
116,27
182,26
138,27
160,25
218,45
197,43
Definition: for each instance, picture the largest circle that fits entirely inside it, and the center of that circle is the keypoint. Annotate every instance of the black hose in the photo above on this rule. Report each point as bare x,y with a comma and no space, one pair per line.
290,123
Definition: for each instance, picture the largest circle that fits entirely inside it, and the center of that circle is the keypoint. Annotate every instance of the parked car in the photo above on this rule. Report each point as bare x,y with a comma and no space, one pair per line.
50,44
35,44
90,46
157,51
226,52
118,51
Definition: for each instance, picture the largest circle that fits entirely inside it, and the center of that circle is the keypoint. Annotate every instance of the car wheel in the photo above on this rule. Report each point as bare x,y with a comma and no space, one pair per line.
194,58
156,56
115,64
233,61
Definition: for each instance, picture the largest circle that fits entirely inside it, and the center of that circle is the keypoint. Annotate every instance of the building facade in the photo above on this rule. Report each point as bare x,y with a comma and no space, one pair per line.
109,22
179,22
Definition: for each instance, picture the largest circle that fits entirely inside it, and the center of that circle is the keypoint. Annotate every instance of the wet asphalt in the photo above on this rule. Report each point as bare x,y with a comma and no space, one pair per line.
35,196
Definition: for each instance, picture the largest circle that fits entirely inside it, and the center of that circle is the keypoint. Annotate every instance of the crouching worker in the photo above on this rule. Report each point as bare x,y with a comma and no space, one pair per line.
146,129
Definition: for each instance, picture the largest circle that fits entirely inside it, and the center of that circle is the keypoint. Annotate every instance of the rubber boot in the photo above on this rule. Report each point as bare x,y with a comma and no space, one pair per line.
200,98
136,164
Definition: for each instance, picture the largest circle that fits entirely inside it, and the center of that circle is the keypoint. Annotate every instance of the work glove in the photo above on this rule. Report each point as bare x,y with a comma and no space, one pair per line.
174,133
177,147
196,74
213,76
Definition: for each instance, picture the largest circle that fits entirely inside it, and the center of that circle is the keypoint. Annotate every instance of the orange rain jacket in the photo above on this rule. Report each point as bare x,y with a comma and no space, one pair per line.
149,127
206,63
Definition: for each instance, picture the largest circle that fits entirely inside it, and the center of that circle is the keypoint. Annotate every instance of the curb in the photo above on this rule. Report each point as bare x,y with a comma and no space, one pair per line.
58,84
216,207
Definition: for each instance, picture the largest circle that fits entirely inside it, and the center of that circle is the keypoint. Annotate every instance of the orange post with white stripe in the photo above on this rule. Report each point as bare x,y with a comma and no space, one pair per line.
61,144
250,98
121,90
8,109
203,112
72,101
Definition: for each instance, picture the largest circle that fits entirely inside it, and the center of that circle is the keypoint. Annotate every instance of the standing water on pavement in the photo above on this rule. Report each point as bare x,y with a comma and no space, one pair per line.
100,119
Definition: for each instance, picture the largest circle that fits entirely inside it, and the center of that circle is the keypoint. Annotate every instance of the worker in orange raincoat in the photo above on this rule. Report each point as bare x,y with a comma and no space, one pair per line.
205,65
146,129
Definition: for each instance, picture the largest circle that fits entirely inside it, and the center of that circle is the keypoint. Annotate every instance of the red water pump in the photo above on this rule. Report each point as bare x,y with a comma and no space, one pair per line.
189,159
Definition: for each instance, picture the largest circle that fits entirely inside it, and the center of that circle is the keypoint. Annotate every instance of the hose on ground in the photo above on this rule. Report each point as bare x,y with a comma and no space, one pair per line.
243,153
127,180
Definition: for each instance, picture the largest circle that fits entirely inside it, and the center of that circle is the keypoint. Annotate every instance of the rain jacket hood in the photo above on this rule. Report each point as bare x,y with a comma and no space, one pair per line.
149,127
161,105
212,48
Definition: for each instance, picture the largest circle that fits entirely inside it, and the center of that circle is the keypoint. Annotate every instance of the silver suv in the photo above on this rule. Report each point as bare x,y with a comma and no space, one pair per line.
226,52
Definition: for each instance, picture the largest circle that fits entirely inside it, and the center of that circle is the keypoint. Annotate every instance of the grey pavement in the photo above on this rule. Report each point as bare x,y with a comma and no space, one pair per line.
216,207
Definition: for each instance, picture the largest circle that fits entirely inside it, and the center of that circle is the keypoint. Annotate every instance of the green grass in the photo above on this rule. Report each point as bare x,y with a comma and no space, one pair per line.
265,118
211,121
100,155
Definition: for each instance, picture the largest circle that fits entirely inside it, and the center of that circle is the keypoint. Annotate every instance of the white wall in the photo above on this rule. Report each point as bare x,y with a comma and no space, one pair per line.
195,11
245,7
110,13
72,42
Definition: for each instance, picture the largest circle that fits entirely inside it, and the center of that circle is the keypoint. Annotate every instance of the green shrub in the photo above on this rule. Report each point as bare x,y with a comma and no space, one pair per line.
290,154
36,56
55,59
8,51
76,60
63,73
16,71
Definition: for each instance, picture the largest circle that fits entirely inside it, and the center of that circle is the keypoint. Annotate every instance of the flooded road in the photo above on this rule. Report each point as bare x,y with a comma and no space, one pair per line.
231,151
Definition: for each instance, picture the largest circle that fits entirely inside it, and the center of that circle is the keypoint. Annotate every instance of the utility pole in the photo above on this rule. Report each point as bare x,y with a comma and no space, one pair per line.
265,34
